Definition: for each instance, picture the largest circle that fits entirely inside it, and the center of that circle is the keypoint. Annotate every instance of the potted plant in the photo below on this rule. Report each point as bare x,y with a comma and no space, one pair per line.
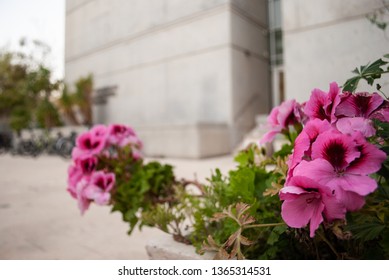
323,195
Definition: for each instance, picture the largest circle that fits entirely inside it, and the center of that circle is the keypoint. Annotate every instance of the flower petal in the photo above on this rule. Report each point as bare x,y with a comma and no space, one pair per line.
317,217
337,148
360,184
297,212
318,170
371,158
355,124
334,209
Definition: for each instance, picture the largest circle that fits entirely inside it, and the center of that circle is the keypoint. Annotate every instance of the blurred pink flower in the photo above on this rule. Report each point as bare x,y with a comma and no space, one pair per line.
307,201
90,143
87,164
288,113
95,188
74,176
82,200
118,134
98,190
99,131
322,105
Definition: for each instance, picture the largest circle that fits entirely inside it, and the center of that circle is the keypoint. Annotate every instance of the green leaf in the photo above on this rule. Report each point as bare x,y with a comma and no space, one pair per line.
245,157
275,234
285,150
242,184
351,84
366,231
369,72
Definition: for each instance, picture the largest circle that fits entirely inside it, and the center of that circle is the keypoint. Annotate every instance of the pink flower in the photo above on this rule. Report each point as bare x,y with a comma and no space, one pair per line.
322,105
302,145
91,142
382,113
119,134
99,131
355,112
361,104
288,113
87,164
82,201
99,188
95,188
356,124
74,177
306,201
343,163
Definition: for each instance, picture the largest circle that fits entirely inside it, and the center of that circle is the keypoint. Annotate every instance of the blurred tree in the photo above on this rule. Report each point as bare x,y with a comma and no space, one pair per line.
67,103
26,87
83,94
80,99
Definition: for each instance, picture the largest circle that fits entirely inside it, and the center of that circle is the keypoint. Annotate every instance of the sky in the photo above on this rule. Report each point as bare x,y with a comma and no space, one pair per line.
42,20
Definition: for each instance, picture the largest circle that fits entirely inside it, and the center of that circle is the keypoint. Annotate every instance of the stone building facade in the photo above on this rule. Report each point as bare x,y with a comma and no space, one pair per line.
189,76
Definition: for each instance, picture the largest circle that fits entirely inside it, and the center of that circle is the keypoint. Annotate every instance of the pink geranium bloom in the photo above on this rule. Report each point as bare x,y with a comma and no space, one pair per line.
303,142
84,166
382,113
288,113
89,143
322,105
95,188
99,131
87,164
361,104
343,163
119,134
356,124
306,201
74,177
83,201
99,188
355,112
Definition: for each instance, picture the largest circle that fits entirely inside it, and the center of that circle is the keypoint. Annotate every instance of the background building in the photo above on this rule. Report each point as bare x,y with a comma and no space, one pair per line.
191,76
324,40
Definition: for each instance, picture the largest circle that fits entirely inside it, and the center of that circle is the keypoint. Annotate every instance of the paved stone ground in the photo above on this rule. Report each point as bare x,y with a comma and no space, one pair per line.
39,219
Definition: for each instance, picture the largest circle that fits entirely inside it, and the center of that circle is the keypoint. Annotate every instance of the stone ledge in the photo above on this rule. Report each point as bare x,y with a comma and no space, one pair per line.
165,248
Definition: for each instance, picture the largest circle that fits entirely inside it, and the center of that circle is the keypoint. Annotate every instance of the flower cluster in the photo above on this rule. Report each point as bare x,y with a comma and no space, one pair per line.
332,160
86,181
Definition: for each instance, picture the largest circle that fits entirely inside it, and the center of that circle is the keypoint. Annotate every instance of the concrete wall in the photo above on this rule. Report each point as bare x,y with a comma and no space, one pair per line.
190,75
324,40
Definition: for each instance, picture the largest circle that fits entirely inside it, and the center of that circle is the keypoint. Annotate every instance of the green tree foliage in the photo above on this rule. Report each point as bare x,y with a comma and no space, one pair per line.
81,99
26,86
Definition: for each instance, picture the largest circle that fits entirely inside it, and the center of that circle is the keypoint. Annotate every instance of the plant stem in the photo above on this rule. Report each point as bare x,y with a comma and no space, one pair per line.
329,244
264,225
383,93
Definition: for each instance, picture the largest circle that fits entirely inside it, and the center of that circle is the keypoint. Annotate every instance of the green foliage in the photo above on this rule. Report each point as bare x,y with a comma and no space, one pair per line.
25,90
80,98
235,218
369,73
376,18
47,114
238,214
141,189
